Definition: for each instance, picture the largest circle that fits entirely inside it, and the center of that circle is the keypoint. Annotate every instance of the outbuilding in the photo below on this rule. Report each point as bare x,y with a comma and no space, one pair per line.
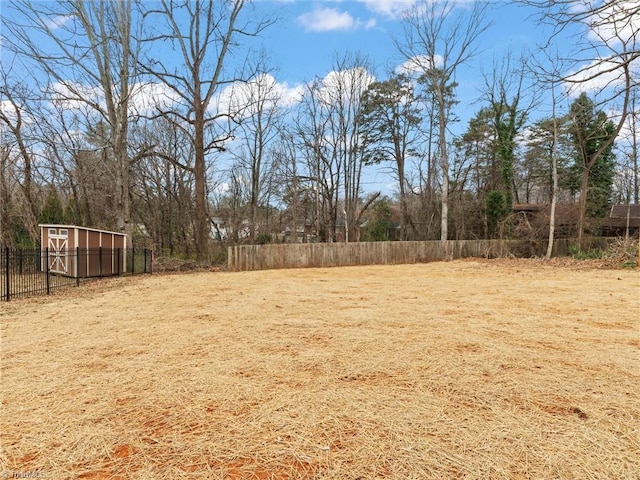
82,252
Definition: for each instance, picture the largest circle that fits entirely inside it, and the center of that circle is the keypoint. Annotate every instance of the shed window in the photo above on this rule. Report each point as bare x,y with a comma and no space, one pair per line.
64,232
52,231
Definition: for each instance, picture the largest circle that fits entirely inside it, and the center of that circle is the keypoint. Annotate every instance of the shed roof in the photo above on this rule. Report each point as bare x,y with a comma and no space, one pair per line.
52,225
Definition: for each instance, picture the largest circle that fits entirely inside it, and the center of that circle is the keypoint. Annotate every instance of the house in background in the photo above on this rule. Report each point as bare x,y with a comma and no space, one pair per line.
623,221
533,220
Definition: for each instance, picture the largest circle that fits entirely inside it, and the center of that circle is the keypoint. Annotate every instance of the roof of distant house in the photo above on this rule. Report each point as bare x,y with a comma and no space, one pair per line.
632,210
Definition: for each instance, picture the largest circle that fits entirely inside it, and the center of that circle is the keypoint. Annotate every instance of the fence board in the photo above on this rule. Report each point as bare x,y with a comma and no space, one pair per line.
301,255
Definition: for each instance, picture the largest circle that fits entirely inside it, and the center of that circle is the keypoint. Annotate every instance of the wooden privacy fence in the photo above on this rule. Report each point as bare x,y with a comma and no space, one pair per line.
275,256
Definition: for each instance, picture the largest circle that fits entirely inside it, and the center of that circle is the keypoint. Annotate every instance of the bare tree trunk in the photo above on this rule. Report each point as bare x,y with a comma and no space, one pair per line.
11,115
436,44
582,204
200,178
444,162
554,175
5,197
294,204
633,115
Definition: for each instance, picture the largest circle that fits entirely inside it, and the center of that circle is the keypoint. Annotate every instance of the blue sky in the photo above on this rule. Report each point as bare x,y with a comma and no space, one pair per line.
311,34
304,43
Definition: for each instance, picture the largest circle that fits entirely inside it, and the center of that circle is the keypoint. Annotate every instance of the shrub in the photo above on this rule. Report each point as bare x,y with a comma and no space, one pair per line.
623,252
590,254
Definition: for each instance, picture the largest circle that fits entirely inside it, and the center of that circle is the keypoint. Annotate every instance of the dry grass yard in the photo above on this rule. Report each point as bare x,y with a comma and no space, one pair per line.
465,369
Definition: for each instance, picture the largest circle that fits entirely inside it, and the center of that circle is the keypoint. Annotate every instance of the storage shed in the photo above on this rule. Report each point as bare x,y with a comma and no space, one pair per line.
81,252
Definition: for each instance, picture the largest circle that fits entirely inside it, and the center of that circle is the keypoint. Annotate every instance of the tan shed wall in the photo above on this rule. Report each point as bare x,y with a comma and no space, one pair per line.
90,261
82,238
121,243
93,239
44,235
118,242
107,256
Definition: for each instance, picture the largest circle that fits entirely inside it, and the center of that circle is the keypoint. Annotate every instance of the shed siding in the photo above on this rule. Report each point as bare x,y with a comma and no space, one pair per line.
90,261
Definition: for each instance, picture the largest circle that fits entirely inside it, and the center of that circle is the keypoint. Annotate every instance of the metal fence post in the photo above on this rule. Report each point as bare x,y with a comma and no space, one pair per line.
46,256
133,260
100,262
118,258
6,273
145,261
77,266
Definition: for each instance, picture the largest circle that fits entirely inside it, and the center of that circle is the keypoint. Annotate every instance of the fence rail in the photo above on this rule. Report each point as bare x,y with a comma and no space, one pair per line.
275,256
29,272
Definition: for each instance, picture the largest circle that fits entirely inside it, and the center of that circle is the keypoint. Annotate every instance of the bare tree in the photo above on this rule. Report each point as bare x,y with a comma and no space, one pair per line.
202,34
631,154
259,102
605,61
324,174
16,149
438,39
554,174
163,189
293,187
89,57
328,128
344,91
5,194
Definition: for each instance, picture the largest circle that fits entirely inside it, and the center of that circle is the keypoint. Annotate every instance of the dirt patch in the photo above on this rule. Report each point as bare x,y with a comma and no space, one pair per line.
465,369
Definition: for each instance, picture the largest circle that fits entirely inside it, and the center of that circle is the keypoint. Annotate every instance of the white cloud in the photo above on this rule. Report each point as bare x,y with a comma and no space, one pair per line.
240,98
597,76
419,64
331,19
57,22
147,98
348,84
75,96
326,19
389,8
289,95
616,23
10,111
371,23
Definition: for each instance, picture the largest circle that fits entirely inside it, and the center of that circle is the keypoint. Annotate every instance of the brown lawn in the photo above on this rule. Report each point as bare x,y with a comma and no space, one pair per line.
465,369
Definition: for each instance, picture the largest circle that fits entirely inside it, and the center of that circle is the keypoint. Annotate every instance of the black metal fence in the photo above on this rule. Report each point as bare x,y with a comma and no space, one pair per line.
28,272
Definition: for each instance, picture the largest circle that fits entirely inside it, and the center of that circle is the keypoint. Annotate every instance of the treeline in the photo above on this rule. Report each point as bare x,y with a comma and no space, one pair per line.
133,117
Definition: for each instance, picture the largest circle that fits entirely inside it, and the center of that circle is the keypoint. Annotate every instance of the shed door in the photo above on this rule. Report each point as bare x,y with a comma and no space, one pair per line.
58,239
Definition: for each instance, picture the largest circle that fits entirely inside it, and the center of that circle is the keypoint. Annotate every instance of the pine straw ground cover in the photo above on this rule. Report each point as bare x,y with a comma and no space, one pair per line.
465,369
